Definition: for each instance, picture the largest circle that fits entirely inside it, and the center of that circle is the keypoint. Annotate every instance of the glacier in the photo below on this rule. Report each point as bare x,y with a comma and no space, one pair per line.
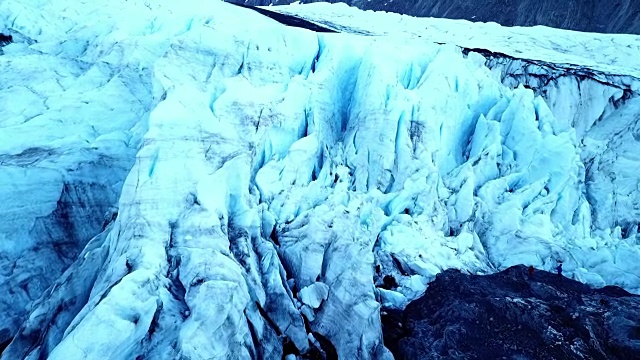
199,181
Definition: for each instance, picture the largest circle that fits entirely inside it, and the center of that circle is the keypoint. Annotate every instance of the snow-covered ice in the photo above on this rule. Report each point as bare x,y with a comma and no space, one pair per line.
613,54
196,180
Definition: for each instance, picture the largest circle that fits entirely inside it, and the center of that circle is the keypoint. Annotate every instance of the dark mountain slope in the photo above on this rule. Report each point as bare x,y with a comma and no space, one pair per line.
509,315
603,16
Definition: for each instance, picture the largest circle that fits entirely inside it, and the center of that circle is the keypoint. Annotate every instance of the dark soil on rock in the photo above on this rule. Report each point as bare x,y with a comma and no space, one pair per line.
511,315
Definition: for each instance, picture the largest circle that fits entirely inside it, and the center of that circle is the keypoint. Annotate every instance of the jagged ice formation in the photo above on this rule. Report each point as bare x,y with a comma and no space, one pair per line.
196,180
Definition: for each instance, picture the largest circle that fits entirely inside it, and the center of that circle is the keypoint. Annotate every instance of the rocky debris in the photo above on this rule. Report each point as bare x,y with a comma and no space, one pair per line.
511,315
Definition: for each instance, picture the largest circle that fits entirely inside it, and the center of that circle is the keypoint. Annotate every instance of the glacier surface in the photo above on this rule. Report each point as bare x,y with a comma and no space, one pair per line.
195,180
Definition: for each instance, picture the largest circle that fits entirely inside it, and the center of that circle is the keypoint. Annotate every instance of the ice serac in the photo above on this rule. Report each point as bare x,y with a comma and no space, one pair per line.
178,187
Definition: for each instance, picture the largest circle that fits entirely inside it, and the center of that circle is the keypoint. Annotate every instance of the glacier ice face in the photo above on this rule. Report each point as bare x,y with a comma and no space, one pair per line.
176,186
69,136
592,50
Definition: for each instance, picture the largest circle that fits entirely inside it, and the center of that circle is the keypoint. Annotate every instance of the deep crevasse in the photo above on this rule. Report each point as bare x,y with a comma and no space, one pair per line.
269,170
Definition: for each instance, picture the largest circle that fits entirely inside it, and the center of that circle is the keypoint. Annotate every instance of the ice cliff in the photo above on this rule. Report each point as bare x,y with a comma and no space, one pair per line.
195,180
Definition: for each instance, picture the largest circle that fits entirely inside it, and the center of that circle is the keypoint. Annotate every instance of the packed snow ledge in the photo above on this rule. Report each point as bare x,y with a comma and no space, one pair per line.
192,179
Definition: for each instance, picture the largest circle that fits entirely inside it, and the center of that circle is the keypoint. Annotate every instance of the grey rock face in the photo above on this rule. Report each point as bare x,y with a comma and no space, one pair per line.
622,16
511,315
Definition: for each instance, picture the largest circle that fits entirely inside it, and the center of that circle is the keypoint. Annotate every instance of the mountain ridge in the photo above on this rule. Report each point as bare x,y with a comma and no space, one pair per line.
601,16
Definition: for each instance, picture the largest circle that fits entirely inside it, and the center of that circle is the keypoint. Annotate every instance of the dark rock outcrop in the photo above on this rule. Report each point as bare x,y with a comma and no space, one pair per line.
509,315
5,39
620,16
286,19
